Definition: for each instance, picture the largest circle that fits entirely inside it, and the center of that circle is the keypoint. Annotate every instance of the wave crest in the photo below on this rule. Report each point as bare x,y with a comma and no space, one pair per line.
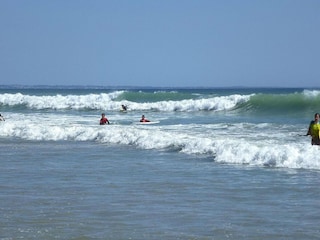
111,102
221,149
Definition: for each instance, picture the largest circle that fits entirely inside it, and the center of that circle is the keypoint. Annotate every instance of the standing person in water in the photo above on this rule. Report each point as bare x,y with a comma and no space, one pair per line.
143,119
314,130
1,118
104,120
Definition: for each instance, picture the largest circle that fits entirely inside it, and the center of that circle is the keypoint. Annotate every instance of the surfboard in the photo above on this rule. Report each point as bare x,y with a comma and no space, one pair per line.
147,123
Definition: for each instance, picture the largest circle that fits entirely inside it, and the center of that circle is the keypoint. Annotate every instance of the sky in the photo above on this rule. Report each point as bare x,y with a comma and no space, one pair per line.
160,43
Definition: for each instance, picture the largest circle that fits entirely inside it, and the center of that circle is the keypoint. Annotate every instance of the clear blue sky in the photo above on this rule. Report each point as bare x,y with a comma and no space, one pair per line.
160,43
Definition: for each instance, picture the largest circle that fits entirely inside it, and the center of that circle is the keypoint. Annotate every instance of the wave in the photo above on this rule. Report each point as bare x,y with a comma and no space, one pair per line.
59,102
112,102
265,103
155,96
272,151
303,102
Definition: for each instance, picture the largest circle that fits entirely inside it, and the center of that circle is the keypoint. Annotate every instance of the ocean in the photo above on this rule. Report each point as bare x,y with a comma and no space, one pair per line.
220,163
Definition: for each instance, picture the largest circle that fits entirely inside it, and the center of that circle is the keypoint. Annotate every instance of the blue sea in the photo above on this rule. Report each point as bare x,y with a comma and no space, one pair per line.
221,163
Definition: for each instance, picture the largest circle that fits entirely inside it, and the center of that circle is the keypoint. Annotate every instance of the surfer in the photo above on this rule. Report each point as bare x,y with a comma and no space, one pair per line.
124,107
143,119
1,118
314,130
104,120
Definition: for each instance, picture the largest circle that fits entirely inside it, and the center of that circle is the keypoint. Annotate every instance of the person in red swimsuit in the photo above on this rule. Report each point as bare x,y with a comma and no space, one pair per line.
143,119
104,120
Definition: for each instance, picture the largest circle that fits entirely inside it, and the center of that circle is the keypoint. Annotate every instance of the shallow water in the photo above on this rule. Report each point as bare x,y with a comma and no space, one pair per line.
83,190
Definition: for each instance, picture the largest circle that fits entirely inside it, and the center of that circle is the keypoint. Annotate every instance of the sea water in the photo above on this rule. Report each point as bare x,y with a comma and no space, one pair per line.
220,164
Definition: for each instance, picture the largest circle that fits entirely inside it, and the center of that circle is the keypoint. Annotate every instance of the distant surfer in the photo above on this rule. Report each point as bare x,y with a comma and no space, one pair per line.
124,108
1,118
314,130
143,119
104,120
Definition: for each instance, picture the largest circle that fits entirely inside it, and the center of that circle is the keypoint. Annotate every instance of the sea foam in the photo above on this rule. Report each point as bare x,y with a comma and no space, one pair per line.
109,102
216,143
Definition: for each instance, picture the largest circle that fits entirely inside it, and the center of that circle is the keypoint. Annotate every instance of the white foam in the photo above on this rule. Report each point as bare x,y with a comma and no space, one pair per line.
311,93
91,101
216,104
224,145
107,101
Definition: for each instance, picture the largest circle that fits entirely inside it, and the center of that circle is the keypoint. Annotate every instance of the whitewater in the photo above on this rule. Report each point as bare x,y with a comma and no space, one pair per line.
217,164
216,126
